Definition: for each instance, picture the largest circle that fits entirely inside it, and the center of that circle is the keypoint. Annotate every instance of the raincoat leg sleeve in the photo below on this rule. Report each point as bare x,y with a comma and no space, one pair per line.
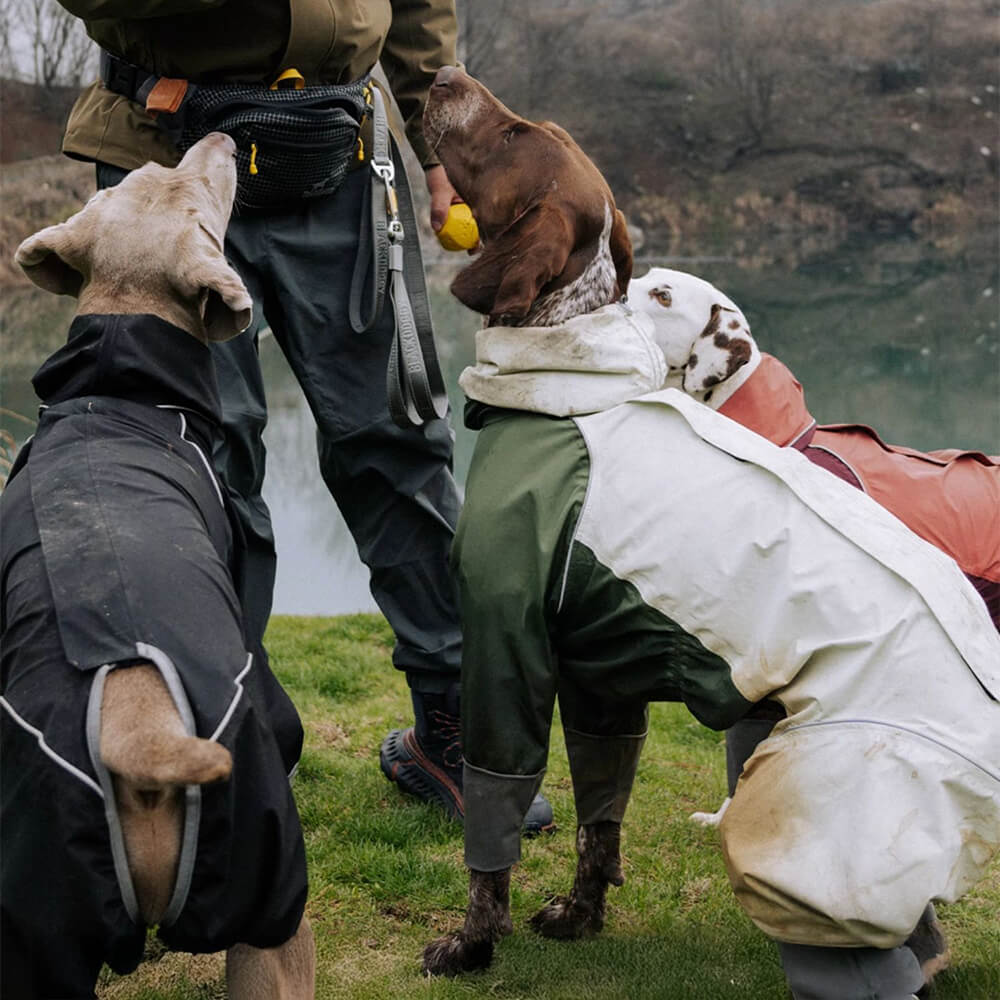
815,973
603,743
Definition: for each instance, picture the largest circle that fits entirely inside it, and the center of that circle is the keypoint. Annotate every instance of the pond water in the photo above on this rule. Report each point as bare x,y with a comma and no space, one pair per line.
900,335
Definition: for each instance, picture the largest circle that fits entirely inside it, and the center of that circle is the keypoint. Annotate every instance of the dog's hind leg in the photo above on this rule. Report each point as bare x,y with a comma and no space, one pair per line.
151,822
599,865
287,972
487,920
929,944
144,744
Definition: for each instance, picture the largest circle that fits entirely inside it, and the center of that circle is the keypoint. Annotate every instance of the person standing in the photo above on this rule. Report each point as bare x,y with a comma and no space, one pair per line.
393,484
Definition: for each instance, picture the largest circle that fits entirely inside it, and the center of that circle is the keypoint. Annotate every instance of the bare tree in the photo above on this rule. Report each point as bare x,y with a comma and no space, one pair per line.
526,51
925,30
7,61
745,65
42,43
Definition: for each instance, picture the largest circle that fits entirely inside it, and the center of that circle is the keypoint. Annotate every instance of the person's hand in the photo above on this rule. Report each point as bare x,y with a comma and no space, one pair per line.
443,195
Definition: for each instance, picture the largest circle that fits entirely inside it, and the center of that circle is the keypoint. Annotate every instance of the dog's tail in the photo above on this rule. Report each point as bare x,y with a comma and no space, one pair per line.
143,739
710,819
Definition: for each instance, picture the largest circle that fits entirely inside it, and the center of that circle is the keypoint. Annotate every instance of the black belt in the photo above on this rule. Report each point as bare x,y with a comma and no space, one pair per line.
123,78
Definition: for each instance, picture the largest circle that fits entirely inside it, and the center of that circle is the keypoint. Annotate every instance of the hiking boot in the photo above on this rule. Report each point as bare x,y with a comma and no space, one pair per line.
539,818
425,761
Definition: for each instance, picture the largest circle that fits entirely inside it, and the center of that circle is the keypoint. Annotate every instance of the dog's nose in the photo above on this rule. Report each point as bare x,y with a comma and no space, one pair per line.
214,146
444,75
218,141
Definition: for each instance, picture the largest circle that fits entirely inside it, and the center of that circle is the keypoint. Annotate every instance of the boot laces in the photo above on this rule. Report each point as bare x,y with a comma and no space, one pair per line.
448,729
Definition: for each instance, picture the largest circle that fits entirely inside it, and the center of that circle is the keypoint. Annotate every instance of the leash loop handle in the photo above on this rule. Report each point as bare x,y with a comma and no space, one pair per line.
414,384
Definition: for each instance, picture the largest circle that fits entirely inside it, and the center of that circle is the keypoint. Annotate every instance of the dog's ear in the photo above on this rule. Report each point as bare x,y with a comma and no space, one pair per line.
722,348
54,258
559,132
225,304
621,252
476,286
227,307
506,277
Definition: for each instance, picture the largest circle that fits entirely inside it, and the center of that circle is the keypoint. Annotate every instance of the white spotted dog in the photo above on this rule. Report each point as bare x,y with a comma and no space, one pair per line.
703,334
713,357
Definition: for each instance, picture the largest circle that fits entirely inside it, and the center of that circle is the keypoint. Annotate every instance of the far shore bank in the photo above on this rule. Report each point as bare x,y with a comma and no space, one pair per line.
45,190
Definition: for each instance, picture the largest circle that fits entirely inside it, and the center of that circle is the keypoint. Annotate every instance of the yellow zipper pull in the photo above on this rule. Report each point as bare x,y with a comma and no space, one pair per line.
253,158
297,80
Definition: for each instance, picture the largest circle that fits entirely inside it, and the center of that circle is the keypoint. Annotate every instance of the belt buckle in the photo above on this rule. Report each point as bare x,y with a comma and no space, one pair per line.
118,75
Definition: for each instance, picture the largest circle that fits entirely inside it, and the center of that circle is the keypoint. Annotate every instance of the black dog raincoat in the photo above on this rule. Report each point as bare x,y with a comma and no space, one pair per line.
117,547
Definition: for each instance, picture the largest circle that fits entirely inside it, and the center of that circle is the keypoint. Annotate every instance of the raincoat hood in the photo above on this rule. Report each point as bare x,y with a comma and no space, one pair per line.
586,365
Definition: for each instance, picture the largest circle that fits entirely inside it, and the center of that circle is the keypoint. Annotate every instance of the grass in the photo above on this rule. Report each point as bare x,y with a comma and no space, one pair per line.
386,872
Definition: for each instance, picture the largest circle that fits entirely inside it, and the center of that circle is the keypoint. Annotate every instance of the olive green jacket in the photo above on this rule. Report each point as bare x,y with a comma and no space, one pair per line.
327,41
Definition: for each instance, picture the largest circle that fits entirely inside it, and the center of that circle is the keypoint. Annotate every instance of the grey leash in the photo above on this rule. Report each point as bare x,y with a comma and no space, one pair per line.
414,383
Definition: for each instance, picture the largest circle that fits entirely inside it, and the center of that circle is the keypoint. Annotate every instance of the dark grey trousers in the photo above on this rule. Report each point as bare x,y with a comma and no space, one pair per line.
394,487
815,973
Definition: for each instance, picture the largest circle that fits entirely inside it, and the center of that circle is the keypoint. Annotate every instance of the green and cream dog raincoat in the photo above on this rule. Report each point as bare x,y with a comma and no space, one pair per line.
622,544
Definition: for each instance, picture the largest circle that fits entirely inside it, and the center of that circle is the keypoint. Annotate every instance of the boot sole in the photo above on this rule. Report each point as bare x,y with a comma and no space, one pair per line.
403,762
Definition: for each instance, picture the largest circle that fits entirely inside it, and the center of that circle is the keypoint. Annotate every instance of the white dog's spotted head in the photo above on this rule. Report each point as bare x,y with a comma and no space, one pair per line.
702,333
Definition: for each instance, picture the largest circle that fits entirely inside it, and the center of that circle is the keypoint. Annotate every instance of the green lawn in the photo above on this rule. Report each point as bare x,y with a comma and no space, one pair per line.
386,872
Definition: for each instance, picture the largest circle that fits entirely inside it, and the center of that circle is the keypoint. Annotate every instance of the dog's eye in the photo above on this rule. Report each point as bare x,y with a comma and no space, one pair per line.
662,295
509,133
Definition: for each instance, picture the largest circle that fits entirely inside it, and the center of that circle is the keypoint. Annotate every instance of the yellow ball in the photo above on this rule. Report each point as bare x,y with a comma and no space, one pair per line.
459,231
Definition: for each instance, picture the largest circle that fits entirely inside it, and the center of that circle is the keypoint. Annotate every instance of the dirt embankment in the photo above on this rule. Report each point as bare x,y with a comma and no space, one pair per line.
38,186
34,194
731,121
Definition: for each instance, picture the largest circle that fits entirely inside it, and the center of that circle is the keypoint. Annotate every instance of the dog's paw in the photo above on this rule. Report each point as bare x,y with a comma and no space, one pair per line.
566,920
455,953
930,945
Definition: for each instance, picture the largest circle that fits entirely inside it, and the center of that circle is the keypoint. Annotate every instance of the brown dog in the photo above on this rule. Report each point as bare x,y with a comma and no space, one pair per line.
146,749
554,244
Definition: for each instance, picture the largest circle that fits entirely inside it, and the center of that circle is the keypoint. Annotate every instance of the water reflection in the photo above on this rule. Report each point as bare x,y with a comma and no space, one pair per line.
900,335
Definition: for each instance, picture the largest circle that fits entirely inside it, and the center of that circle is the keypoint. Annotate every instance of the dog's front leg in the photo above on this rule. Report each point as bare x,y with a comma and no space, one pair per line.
486,921
598,866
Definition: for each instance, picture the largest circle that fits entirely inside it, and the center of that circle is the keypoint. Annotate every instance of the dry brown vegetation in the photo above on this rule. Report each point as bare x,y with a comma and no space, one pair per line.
766,115
724,121
37,193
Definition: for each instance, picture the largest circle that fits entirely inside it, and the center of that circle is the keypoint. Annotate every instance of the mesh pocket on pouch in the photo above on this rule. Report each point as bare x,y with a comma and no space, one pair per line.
291,144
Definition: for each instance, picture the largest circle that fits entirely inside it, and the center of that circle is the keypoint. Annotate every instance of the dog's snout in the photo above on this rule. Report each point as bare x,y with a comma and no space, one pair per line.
221,139
214,147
